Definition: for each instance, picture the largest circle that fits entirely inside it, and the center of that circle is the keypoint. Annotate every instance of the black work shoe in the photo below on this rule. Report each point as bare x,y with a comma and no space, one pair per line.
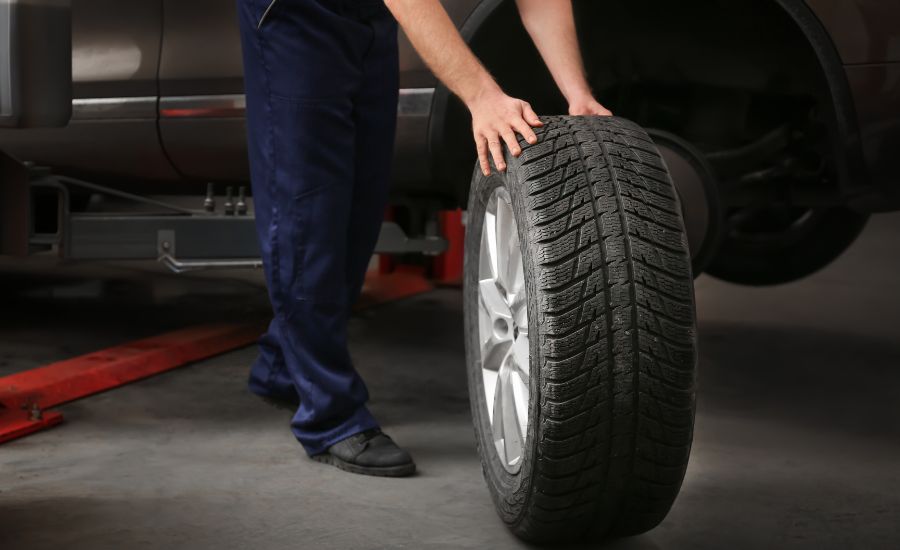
370,453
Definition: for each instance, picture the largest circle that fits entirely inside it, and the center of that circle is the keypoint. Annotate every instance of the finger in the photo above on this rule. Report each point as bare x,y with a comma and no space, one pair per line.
481,145
497,152
525,130
511,142
530,116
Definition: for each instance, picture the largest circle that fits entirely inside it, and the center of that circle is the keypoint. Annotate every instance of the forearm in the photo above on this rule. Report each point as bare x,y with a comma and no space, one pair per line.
437,41
551,25
496,117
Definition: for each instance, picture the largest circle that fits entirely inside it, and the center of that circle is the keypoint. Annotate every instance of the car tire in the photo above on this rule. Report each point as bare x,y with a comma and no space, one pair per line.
698,192
599,394
776,245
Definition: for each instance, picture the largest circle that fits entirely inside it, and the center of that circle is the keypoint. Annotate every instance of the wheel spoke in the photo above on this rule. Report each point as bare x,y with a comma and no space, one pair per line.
492,300
487,260
497,423
520,392
493,352
490,378
507,245
521,356
512,432
517,305
485,324
514,273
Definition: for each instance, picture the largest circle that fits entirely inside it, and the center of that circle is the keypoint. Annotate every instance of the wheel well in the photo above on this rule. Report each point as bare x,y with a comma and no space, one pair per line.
721,74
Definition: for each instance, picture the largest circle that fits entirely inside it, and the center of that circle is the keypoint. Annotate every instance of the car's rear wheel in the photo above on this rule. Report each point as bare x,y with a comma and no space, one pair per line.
778,244
580,332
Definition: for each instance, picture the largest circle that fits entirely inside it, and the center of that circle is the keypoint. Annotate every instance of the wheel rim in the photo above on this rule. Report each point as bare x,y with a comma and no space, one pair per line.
503,330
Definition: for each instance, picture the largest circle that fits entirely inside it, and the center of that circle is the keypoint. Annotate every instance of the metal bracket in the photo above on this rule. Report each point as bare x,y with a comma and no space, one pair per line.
166,244
204,240
391,240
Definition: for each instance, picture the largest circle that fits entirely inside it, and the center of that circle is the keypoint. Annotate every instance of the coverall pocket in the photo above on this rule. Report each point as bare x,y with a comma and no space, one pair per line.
265,14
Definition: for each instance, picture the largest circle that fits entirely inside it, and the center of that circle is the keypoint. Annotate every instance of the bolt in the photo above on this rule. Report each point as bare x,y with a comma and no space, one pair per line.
242,203
229,201
209,203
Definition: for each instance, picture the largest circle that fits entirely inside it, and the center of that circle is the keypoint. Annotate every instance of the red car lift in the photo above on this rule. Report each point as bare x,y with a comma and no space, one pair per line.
26,396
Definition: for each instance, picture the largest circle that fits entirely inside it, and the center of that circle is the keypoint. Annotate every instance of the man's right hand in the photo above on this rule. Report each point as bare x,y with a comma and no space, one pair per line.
496,119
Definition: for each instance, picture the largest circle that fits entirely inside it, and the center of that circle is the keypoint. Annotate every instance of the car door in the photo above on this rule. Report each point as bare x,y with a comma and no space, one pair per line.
112,134
201,90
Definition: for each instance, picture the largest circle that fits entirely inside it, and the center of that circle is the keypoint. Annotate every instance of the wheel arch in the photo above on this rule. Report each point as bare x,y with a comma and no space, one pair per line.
449,139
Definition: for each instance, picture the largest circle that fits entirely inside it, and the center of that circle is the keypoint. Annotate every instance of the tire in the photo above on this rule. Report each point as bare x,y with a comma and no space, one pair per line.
776,245
698,192
604,298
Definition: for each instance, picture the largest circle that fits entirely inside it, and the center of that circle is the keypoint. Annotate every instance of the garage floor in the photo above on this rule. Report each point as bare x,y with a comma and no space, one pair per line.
797,437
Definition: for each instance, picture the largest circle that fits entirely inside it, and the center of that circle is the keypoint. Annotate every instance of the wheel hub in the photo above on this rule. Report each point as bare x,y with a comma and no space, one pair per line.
503,330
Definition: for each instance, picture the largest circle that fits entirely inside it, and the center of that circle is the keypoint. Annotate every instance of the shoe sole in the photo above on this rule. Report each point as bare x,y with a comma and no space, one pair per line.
403,470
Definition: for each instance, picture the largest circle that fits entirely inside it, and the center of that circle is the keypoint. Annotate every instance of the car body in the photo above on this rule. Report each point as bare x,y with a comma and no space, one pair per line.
158,98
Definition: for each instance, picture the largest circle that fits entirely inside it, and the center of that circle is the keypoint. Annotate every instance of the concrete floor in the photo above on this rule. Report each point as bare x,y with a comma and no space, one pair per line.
797,438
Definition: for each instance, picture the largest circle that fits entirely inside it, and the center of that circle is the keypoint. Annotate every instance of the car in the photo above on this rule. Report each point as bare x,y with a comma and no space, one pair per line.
753,140
790,106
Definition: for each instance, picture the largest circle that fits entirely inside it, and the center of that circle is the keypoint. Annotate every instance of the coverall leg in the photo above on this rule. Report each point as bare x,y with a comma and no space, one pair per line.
321,83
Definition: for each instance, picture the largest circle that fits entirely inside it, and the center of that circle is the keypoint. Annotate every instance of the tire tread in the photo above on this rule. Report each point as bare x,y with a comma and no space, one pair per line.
618,330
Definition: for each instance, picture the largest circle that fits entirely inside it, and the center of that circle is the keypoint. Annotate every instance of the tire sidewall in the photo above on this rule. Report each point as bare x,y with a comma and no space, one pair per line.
510,492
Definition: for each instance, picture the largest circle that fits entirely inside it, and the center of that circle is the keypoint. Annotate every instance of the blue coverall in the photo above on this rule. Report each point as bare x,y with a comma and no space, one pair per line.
321,82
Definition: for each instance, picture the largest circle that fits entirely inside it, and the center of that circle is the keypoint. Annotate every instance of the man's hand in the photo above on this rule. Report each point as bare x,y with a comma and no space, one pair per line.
495,117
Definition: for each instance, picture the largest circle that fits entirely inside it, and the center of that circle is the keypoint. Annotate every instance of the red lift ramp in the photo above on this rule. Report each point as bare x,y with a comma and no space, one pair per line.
25,397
